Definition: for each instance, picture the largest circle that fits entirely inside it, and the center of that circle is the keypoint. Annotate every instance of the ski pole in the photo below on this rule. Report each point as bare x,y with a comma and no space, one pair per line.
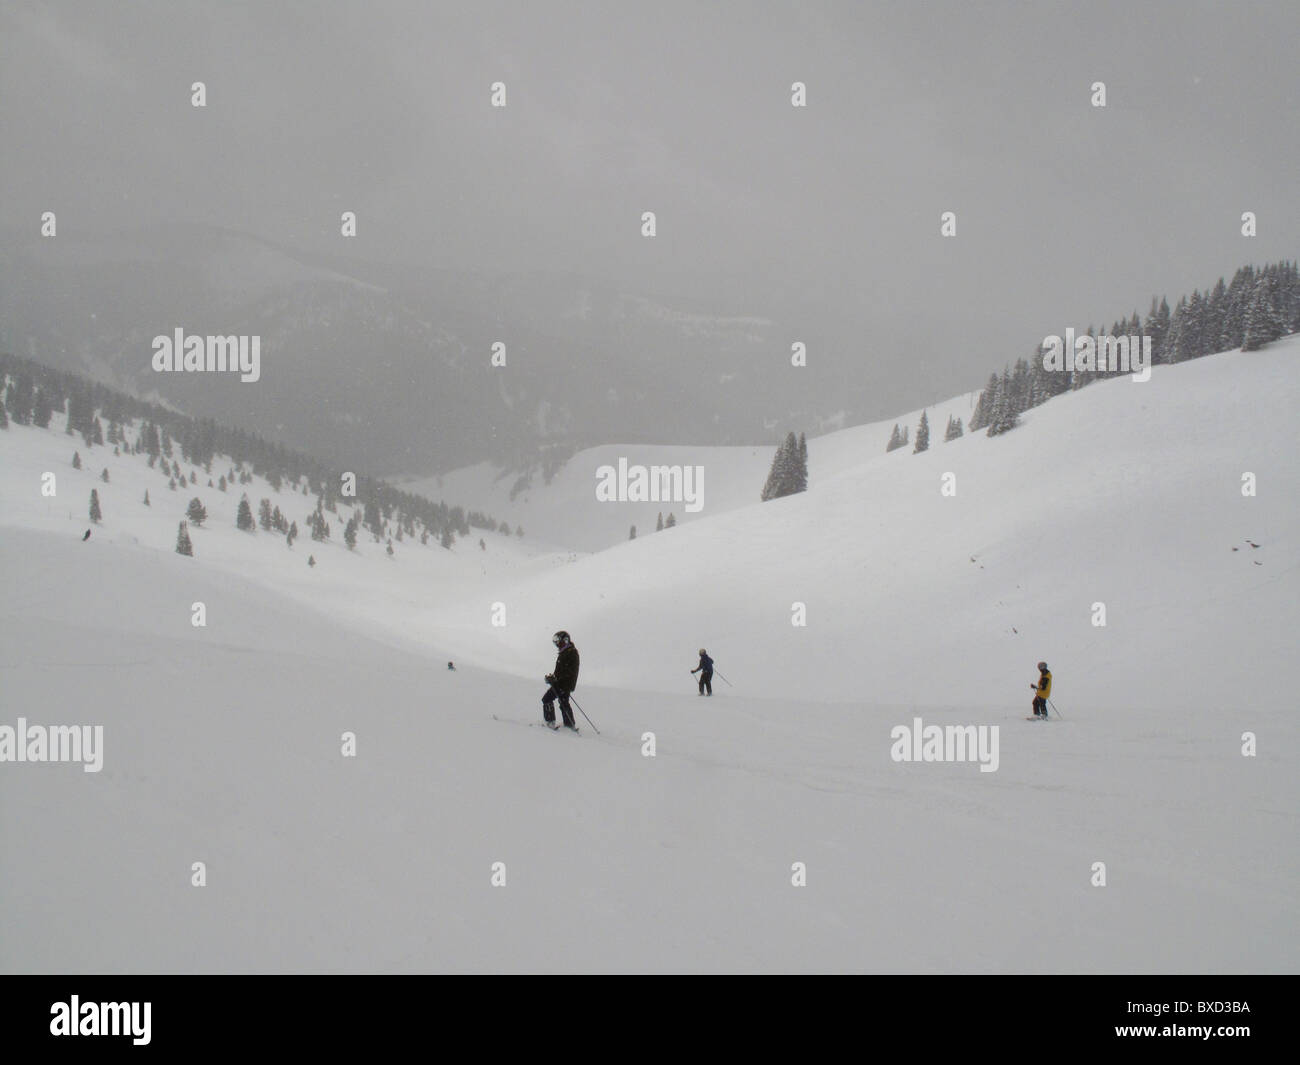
584,714
1053,706
728,683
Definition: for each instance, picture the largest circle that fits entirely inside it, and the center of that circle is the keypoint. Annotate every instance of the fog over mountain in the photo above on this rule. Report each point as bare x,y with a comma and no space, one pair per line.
522,224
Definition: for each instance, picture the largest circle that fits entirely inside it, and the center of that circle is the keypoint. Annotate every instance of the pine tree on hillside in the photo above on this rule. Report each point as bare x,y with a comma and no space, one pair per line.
659,527
95,514
195,512
671,521
42,409
448,538
244,516
1263,323
801,481
922,435
146,498
984,405
292,534
778,476
954,430
221,484
1005,415
104,475
4,417
264,515
183,545
311,559
350,533
76,460
632,533
895,440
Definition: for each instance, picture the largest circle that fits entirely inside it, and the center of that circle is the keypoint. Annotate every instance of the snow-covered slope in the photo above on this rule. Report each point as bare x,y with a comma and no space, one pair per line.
223,746
222,743
565,512
1124,494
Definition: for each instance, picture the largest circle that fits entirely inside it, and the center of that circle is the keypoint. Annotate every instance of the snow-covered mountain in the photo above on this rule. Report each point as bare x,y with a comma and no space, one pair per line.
222,742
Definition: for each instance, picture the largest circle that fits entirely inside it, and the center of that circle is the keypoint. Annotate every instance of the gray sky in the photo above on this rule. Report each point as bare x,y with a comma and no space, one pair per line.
1066,214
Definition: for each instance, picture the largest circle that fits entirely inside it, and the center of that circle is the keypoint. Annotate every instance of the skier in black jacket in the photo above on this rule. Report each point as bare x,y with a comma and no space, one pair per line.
705,670
563,681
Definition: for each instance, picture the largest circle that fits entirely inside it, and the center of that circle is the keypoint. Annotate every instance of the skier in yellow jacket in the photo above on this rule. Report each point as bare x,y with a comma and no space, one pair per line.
1042,690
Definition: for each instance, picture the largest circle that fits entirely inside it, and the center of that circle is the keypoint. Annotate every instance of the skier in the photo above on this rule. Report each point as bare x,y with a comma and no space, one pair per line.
451,666
705,670
1042,690
563,681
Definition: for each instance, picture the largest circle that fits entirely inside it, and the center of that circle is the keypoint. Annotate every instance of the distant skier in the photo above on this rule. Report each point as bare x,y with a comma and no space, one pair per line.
451,666
705,670
86,537
1043,689
562,682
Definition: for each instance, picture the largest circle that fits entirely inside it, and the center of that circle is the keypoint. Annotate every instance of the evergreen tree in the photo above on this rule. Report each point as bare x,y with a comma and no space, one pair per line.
20,399
42,409
244,517
4,417
172,484
146,498
672,521
311,559
195,512
895,440
448,538
104,475
922,435
1263,323
350,533
984,405
183,545
98,432
632,533
95,515
954,430
292,535
660,526
76,460
221,484
264,515
1005,415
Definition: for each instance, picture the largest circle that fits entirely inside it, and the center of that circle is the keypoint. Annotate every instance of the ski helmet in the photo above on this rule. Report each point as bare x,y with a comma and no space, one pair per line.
561,638
1042,666
703,651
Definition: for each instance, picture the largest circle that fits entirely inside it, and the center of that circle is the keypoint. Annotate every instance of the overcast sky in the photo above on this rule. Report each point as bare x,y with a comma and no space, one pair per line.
1066,213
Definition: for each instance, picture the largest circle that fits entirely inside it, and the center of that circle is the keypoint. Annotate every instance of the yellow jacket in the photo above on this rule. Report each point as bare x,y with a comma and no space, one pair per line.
1045,684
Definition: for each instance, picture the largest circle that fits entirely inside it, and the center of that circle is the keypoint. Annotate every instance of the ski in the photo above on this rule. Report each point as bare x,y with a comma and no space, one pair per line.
535,724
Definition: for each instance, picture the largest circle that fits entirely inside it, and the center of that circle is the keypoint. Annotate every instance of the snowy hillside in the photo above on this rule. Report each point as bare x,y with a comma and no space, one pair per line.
222,743
564,511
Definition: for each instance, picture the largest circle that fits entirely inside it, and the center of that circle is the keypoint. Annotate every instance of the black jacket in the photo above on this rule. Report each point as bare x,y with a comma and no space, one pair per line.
566,669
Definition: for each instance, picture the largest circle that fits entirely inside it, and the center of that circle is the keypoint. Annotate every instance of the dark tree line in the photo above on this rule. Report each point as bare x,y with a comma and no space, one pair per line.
789,472
30,393
1259,305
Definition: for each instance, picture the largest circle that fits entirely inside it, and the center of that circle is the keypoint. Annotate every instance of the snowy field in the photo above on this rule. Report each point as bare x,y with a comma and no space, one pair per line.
222,744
